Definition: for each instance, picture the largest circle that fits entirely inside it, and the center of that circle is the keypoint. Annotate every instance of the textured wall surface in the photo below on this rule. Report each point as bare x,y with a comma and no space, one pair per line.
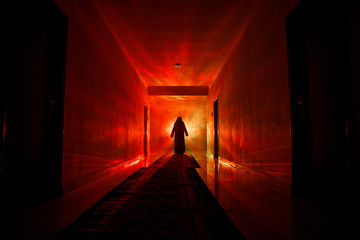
104,98
252,88
252,176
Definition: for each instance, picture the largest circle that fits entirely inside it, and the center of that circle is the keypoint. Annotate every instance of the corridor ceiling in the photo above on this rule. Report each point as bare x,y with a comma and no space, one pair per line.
156,34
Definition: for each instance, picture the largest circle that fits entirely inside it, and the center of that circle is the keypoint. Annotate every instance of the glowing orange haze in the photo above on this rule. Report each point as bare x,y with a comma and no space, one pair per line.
163,112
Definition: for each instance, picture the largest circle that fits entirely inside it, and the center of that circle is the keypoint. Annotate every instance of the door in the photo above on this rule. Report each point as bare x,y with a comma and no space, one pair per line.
145,130
299,103
33,43
319,68
216,128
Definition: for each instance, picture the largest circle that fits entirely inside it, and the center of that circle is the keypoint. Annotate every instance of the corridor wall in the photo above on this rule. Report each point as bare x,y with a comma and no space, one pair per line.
254,163
252,89
104,98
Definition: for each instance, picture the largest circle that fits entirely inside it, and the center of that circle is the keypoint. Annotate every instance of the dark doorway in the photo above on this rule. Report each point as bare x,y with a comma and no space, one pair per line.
145,130
33,52
216,128
299,104
320,98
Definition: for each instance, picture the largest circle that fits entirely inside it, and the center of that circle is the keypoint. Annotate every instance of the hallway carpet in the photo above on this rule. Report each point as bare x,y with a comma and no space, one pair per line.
167,200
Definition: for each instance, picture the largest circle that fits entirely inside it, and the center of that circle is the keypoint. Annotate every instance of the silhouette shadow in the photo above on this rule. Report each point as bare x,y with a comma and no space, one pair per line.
179,130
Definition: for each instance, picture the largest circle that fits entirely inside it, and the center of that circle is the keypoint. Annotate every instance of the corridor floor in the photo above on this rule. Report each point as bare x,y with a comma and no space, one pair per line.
167,200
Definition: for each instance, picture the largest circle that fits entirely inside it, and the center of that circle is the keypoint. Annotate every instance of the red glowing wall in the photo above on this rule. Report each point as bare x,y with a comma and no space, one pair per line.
254,125
104,98
164,111
253,93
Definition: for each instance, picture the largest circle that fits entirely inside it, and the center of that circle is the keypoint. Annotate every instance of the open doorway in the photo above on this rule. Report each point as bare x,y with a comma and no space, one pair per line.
164,112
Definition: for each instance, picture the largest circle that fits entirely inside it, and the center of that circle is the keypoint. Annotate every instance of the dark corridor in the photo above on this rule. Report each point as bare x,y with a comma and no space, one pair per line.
268,90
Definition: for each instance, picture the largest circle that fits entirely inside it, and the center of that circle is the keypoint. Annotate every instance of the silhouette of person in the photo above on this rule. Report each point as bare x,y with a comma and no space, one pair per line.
179,129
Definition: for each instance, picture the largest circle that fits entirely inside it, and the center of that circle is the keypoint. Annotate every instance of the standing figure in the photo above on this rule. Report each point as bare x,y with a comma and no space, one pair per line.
179,129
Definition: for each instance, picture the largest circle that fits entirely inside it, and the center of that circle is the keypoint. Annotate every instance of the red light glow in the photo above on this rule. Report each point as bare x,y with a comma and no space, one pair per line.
198,34
163,112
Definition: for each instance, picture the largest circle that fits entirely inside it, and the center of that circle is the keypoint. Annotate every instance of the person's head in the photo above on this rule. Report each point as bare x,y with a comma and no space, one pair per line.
178,119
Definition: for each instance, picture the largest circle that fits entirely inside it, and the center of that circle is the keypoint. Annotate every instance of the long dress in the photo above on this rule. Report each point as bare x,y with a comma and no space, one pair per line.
179,129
